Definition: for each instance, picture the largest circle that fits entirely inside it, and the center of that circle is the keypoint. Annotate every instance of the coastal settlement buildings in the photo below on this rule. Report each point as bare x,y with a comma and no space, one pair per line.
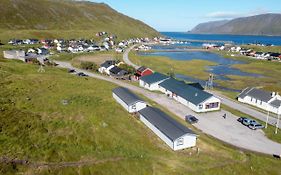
131,102
269,101
190,95
173,133
151,82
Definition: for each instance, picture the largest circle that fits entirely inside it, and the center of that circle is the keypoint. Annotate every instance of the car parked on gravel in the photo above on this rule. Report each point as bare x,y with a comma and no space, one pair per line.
191,119
81,74
241,119
248,121
71,70
255,125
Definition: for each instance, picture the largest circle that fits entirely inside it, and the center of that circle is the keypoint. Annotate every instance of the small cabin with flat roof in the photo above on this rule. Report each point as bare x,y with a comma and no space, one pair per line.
130,101
173,133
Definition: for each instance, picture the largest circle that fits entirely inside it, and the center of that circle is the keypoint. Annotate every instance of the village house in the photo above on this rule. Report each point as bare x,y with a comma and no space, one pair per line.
194,98
14,54
142,71
106,66
131,102
173,133
152,81
268,101
117,72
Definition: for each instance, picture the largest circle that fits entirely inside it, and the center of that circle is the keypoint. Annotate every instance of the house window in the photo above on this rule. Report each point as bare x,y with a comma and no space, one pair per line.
180,142
256,100
134,106
260,102
200,106
251,99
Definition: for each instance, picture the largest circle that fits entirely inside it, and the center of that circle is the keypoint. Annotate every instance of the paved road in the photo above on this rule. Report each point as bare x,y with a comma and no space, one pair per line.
126,57
227,130
225,100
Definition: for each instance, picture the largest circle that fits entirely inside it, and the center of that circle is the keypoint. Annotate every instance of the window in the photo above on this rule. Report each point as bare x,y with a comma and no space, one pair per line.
200,106
256,100
134,106
260,102
180,141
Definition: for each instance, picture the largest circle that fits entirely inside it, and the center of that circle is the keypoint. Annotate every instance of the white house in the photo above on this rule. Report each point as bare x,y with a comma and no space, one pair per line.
173,133
151,82
131,102
106,66
190,96
268,101
14,54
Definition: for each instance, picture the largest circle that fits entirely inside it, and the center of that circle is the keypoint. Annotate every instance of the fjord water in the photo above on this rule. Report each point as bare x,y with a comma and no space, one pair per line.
220,70
236,39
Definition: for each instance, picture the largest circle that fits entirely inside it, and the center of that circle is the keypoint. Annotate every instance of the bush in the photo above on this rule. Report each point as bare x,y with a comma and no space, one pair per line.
128,68
89,66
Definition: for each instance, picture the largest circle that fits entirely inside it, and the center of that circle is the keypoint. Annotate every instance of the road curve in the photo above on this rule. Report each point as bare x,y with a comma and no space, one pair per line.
225,100
227,130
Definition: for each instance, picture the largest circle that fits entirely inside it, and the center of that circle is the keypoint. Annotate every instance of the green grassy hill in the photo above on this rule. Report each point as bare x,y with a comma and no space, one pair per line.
93,134
50,18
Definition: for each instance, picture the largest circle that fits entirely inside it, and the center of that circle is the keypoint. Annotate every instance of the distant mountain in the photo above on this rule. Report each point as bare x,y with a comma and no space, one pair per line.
59,18
265,24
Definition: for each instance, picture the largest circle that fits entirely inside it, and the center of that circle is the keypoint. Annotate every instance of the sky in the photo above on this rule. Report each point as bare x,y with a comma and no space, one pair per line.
183,15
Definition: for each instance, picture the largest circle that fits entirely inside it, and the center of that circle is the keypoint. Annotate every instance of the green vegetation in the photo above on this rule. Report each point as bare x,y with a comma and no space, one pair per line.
269,131
89,66
55,118
193,68
66,19
263,48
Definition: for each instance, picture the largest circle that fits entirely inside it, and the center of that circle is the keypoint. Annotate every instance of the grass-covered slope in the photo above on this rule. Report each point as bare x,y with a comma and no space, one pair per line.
93,134
50,18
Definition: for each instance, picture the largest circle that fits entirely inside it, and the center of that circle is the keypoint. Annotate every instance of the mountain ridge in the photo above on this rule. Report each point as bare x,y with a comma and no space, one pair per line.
264,24
52,17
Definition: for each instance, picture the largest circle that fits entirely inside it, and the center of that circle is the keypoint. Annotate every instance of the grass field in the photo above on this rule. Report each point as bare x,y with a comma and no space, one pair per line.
193,68
93,129
271,71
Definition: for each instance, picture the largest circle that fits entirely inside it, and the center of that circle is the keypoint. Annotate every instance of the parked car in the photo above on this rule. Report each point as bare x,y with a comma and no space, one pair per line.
81,74
255,125
191,119
71,71
241,119
248,121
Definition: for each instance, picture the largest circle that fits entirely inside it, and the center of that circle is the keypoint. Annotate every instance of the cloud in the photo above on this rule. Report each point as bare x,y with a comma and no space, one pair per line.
229,15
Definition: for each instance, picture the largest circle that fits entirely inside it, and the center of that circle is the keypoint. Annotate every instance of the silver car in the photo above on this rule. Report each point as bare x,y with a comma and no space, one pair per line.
255,125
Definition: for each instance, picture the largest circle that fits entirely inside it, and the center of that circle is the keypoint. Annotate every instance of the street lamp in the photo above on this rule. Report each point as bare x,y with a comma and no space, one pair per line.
267,118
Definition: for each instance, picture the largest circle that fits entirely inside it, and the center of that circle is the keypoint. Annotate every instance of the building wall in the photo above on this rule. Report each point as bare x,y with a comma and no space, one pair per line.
137,107
18,55
188,142
151,87
120,101
260,104
210,100
162,136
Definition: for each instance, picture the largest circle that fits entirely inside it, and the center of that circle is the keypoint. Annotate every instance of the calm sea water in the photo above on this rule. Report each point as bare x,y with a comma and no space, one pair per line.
237,39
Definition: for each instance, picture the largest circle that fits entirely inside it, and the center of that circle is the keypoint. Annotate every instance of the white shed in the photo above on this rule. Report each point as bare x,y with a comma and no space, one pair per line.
151,82
130,101
173,133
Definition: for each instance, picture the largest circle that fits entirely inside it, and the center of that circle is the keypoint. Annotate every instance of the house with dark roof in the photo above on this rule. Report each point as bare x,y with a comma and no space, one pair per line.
190,96
152,81
142,71
173,133
106,66
117,72
269,101
130,101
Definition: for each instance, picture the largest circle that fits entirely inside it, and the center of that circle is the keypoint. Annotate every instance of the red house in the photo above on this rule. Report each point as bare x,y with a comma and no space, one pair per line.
142,71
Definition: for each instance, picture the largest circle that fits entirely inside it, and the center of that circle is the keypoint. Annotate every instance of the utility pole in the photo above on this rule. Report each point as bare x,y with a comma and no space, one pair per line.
277,123
267,119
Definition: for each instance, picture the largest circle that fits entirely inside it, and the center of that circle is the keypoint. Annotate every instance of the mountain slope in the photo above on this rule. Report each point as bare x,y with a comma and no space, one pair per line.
53,15
265,24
